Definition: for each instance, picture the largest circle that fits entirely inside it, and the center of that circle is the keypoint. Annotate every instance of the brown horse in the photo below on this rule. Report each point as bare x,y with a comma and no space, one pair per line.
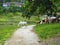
47,20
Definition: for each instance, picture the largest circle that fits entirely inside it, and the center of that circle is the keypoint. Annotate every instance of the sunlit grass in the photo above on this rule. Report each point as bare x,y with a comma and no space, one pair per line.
45,31
6,31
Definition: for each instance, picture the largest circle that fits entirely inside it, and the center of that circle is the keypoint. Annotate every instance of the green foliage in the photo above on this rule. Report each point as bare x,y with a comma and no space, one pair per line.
11,9
5,32
46,31
11,16
39,7
1,2
14,9
1,10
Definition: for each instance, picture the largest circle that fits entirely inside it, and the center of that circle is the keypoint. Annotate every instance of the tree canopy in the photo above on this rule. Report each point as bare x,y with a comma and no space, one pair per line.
40,7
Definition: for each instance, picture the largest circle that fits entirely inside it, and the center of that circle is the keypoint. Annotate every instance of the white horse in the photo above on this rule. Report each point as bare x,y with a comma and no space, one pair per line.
22,23
52,19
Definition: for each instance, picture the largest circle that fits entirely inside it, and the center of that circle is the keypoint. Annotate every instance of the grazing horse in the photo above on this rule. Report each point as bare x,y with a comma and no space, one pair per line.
58,19
22,23
54,19
38,22
47,20
50,19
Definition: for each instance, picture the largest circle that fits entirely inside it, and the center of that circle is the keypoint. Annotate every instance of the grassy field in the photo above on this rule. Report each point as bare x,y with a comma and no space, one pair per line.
46,31
17,17
6,31
9,22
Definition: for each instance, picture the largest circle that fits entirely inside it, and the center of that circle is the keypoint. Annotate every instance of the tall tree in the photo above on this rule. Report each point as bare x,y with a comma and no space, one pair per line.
42,6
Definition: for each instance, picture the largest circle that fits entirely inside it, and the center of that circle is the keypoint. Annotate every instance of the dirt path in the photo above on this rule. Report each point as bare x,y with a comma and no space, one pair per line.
23,36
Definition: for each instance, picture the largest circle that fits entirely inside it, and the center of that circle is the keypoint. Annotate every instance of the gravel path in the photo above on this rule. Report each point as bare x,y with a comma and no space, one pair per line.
23,36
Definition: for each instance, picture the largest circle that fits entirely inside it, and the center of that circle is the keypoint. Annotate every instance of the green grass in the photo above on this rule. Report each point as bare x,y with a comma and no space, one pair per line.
5,32
17,17
45,31
11,17
9,22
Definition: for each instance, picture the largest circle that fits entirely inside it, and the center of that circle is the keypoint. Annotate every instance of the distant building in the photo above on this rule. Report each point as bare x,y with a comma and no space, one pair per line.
7,4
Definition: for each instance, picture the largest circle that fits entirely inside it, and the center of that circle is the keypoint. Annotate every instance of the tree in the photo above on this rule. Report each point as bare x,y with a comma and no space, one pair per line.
40,7
1,2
